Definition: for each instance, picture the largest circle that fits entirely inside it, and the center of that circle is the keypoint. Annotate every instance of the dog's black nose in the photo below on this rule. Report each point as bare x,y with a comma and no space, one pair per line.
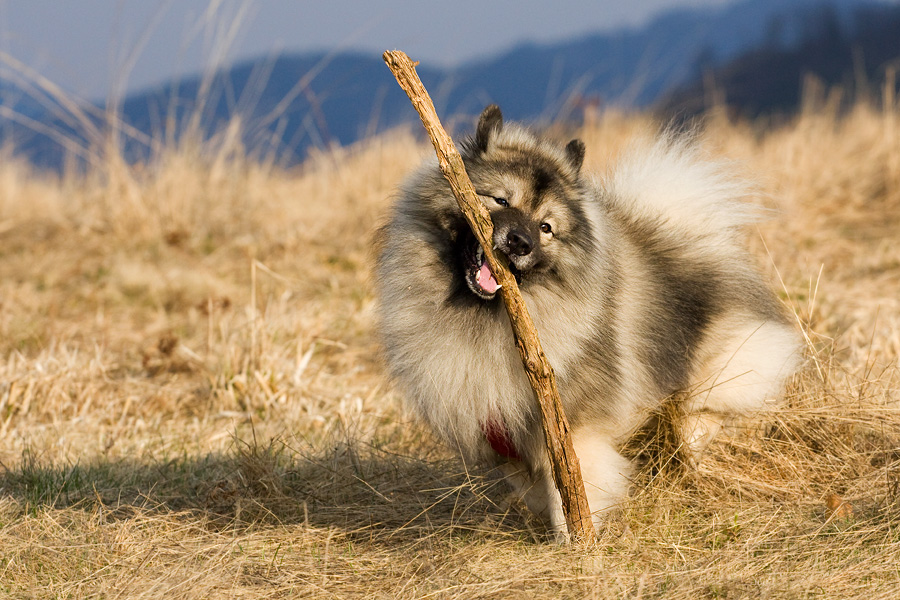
519,242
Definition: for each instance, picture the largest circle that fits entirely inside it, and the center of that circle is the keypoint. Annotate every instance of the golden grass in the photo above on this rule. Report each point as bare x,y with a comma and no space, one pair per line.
192,403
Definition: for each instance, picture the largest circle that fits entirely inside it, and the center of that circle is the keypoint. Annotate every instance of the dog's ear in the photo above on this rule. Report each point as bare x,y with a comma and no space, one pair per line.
490,123
575,154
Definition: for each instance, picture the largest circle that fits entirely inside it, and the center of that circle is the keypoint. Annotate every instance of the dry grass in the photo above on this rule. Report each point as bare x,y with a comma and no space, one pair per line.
192,404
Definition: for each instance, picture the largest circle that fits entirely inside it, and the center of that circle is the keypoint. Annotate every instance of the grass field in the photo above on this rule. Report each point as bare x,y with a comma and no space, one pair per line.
192,403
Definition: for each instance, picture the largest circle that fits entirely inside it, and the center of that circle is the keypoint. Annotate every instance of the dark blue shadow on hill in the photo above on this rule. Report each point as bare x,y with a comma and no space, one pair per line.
858,55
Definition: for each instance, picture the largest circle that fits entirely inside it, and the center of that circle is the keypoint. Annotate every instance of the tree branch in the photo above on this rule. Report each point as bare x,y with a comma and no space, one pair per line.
563,461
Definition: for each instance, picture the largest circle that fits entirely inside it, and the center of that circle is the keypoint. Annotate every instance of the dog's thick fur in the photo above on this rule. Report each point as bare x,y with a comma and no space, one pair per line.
638,286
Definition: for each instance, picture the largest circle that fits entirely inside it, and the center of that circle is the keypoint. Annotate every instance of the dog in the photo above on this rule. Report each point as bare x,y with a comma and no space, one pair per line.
638,284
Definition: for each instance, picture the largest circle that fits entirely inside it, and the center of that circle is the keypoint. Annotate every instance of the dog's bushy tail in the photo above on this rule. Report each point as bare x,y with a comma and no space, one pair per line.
670,182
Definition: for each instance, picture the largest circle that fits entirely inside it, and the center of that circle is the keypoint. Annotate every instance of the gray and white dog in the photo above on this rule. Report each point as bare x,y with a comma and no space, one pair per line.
638,285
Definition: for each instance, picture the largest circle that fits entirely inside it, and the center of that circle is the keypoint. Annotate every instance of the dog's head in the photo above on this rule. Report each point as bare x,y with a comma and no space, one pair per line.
533,190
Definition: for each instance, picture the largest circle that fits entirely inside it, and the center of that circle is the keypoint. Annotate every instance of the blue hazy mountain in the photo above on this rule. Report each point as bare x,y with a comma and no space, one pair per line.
857,55
292,103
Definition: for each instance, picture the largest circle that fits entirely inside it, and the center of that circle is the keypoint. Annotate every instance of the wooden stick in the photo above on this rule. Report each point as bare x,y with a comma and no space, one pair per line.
563,461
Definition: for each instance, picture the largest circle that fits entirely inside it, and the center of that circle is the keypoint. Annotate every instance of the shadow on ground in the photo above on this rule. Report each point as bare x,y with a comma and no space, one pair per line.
357,488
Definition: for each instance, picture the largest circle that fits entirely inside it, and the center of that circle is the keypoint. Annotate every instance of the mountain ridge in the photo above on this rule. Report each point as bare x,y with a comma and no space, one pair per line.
343,97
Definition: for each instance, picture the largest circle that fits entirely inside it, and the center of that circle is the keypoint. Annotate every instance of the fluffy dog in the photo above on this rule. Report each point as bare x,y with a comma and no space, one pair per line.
638,286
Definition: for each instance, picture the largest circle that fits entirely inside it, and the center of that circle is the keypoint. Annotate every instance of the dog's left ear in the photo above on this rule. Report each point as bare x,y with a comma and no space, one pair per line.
575,154
491,122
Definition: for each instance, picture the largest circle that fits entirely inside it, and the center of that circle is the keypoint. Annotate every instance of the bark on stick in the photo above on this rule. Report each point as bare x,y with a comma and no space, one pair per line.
564,463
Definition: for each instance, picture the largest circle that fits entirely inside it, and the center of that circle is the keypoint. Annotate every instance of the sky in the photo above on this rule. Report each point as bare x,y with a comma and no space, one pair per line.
94,48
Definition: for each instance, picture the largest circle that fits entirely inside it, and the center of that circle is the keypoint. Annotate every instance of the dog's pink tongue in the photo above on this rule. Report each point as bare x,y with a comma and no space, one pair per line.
486,279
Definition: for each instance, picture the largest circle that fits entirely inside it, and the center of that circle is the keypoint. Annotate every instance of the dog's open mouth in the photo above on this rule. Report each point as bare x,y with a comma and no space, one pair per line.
478,274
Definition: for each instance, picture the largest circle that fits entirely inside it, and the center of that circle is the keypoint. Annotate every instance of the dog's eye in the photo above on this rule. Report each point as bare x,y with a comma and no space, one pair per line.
500,201
545,227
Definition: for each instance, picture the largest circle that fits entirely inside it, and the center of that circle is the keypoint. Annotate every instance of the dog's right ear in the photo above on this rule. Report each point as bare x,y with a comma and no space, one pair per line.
490,123
575,154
